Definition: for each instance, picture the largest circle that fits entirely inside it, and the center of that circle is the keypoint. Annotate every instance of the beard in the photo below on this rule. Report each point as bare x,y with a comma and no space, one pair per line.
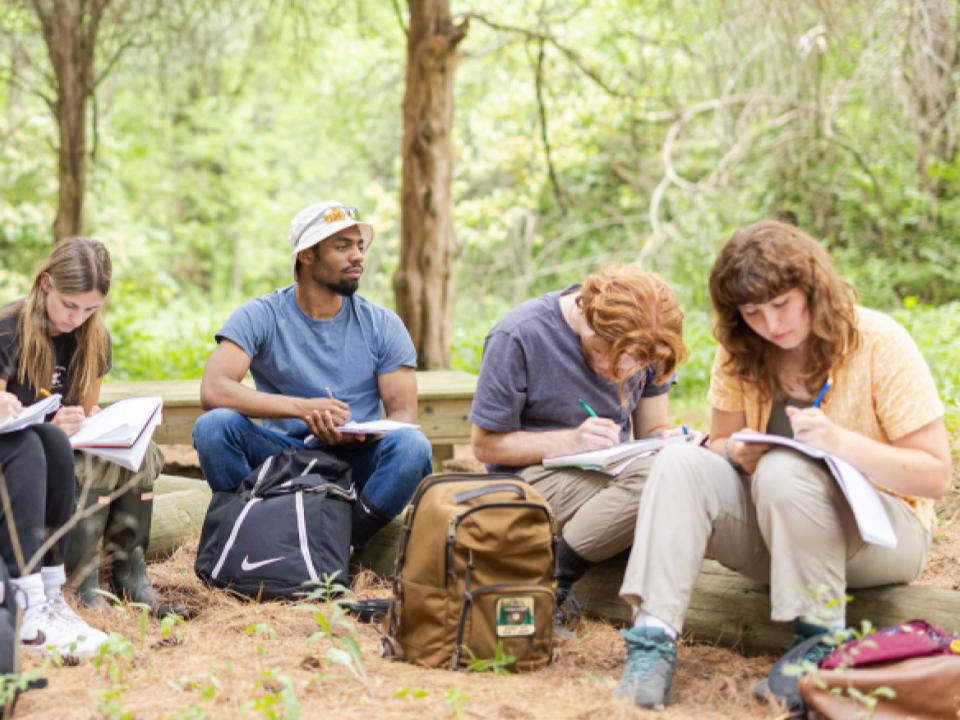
346,288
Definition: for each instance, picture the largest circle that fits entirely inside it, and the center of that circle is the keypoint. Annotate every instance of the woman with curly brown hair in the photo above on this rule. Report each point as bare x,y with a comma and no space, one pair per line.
788,329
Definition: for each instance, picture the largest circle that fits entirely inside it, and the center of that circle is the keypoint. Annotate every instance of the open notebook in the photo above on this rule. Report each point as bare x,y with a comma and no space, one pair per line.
614,460
371,427
864,499
31,415
120,432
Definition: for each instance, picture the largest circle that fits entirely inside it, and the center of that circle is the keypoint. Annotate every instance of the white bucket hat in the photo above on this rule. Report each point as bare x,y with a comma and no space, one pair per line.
320,221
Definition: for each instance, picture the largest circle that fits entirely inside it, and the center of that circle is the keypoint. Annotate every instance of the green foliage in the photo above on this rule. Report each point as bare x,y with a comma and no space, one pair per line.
456,701
937,332
210,136
110,706
276,697
335,629
499,664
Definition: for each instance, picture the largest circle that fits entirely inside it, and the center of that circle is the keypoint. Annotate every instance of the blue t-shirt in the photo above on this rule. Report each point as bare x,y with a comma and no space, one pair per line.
533,373
292,354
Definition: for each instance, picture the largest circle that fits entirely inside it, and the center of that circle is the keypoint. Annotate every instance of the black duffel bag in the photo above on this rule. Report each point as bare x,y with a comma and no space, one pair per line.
283,531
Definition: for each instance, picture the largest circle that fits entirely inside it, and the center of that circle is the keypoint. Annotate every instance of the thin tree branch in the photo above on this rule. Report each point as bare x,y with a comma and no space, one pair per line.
544,137
546,37
399,13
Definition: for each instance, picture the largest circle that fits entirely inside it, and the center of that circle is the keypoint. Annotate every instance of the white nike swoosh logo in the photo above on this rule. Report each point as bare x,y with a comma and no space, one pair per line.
247,566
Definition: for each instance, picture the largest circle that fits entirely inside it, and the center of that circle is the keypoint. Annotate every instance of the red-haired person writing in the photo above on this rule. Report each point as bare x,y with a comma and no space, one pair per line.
580,369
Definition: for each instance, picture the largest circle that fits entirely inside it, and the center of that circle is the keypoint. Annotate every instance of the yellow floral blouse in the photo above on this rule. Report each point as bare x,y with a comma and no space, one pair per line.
888,364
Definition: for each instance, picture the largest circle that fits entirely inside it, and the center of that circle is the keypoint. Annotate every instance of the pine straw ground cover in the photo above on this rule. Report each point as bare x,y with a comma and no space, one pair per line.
239,659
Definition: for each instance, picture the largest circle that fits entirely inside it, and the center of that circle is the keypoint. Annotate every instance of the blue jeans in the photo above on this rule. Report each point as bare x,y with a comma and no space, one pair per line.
386,473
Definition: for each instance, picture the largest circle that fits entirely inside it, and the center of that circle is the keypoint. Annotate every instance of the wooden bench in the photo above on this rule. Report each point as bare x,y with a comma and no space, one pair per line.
443,404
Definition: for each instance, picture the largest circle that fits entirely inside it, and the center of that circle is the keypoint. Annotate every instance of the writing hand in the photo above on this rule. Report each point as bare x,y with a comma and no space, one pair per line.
696,437
9,405
69,418
594,434
323,417
812,427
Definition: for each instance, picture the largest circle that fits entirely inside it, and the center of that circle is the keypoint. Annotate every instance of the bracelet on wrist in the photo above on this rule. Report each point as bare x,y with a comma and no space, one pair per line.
733,463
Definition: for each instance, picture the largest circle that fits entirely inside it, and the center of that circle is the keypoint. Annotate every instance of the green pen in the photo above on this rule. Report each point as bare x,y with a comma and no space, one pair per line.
587,408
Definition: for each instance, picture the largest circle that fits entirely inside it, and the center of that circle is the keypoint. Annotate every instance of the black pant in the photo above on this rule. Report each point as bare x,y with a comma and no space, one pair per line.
36,464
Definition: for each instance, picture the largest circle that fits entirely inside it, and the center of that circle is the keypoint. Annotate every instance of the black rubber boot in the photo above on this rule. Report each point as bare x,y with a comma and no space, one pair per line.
571,566
127,535
82,553
367,520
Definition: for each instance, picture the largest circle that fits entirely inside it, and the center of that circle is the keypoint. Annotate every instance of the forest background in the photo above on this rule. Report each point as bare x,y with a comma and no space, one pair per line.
584,133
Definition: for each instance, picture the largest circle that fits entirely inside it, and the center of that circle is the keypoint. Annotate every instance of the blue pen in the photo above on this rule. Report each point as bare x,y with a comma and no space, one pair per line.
823,391
587,408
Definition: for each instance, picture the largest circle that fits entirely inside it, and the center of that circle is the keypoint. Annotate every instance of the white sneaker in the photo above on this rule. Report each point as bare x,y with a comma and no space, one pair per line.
55,627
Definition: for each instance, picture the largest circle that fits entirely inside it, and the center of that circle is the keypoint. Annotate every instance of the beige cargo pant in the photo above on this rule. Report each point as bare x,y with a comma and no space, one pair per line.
788,526
596,513
103,476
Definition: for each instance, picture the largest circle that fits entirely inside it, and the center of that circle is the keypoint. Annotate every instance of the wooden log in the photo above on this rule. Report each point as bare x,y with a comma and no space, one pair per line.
175,483
179,507
726,608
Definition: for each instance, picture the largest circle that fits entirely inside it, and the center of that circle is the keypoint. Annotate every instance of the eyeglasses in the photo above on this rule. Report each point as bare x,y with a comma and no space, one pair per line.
328,216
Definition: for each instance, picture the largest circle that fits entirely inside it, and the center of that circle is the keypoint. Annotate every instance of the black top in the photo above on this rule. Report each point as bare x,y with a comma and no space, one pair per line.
64,348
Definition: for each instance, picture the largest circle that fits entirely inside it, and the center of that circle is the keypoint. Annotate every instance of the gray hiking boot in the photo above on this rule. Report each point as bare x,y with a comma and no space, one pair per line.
566,614
651,661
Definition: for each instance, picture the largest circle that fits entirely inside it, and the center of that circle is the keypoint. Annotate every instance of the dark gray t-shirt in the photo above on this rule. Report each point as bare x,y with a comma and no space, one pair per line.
533,373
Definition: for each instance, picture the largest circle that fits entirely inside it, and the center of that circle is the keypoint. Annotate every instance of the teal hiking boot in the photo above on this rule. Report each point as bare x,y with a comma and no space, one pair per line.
651,661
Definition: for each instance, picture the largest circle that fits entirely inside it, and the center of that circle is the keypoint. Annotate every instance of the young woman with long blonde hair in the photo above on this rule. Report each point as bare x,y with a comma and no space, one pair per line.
55,341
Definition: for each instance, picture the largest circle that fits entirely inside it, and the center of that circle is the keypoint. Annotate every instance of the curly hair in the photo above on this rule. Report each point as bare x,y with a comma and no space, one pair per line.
76,265
638,315
763,261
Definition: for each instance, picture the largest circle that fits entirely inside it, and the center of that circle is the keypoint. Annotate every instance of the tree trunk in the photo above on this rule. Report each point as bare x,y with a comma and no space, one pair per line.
931,74
424,280
70,33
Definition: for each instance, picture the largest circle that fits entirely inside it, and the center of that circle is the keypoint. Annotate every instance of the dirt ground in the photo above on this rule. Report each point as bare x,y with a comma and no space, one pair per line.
237,659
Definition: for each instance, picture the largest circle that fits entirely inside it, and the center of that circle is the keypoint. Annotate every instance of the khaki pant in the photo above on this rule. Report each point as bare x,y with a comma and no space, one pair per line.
104,476
596,512
788,525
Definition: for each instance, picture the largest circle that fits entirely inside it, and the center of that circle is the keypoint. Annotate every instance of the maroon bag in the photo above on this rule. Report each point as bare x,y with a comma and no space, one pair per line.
915,638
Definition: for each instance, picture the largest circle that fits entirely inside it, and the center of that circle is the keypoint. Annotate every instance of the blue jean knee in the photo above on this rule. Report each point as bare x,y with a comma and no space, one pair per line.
403,459
230,445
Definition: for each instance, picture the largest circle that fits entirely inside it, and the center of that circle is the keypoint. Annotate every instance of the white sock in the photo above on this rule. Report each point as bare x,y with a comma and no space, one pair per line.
29,591
645,619
54,576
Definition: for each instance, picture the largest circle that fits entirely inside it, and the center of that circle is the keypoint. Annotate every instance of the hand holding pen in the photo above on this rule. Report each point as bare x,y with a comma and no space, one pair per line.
594,433
68,418
811,425
324,417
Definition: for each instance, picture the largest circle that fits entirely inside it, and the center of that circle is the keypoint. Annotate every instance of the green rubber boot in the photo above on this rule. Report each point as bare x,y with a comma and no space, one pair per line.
82,554
127,536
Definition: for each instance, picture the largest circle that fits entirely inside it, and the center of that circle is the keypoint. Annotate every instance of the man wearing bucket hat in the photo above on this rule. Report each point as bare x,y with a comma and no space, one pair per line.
320,355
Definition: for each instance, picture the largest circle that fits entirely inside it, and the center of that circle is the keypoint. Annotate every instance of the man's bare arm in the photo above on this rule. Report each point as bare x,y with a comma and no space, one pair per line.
222,387
398,391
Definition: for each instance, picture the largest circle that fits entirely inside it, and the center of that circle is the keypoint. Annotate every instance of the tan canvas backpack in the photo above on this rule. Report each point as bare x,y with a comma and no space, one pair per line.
475,570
